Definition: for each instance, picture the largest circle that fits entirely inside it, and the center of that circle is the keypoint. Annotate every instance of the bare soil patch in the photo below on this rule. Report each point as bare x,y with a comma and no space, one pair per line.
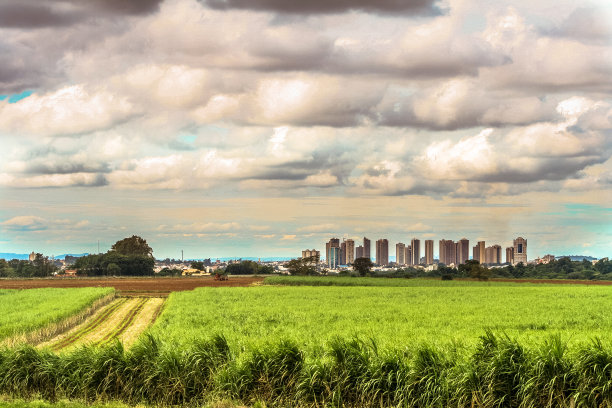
151,285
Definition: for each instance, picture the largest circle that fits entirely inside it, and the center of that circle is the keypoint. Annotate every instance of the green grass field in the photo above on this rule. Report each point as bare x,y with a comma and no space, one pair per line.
426,312
27,310
380,281
427,344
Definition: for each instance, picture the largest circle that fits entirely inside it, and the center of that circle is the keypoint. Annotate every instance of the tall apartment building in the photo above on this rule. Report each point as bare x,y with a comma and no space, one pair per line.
493,255
334,257
463,250
479,252
366,248
510,255
400,253
311,253
520,251
359,252
415,246
382,252
342,253
448,252
429,256
476,253
333,243
497,250
350,252
408,255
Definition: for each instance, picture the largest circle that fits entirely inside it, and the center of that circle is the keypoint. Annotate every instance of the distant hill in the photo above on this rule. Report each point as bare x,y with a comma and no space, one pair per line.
578,258
10,255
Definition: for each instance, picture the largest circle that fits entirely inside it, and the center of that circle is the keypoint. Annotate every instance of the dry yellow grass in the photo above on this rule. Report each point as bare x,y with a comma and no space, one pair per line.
143,320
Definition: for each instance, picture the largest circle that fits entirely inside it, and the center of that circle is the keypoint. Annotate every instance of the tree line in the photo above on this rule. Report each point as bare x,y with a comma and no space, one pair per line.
128,257
40,267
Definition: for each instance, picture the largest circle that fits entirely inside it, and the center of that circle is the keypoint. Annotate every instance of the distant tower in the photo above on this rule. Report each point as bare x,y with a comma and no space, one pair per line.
408,255
334,255
350,252
416,251
366,248
333,243
429,251
400,253
342,260
520,251
359,252
382,252
482,254
510,255
463,250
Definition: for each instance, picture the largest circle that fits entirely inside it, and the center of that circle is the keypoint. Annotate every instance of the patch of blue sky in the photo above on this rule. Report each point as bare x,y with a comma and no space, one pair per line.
188,138
14,98
590,208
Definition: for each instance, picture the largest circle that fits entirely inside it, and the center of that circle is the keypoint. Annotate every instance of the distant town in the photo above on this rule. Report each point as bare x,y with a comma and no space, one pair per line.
451,253
340,256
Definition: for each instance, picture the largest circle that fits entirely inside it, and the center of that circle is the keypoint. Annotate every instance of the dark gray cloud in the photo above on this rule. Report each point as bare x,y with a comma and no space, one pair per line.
99,181
552,169
29,15
38,14
67,168
403,7
339,164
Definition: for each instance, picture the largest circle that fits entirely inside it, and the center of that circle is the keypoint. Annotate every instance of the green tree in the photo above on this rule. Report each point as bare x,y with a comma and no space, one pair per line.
113,269
302,266
43,266
362,266
474,269
199,265
133,245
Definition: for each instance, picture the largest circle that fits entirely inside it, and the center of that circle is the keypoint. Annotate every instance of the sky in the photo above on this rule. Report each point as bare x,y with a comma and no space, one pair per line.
264,127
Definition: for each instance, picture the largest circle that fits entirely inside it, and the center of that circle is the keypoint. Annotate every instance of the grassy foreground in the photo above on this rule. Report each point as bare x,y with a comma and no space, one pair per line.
26,310
498,372
434,313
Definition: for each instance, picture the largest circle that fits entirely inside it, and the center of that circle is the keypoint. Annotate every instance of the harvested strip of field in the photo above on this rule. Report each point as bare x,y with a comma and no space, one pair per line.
123,319
147,316
25,311
86,328
124,324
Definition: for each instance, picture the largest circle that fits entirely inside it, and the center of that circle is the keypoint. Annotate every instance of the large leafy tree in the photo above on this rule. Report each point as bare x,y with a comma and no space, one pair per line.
133,245
363,266
302,266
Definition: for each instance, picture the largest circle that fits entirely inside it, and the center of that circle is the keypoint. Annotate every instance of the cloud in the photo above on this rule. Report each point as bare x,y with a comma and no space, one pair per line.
288,237
586,24
54,180
319,228
410,7
208,227
36,223
37,14
25,223
67,111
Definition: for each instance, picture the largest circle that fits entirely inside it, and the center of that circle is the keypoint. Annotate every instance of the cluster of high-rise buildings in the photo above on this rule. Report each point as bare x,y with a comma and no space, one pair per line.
450,252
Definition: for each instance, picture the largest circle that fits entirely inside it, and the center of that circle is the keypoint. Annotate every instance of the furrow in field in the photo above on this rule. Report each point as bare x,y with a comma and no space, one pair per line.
124,323
145,318
86,328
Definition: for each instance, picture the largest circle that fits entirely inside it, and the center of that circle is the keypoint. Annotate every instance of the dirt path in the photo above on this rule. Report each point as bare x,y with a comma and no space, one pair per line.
151,285
124,319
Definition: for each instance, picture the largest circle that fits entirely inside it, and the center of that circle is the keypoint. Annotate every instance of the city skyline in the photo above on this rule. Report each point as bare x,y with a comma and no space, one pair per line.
233,128
450,252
